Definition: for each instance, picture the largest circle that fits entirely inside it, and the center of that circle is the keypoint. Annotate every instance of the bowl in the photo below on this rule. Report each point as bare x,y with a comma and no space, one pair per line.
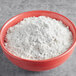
37,65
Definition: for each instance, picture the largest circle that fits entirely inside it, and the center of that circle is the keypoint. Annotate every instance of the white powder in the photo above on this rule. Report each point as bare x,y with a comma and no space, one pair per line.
38,38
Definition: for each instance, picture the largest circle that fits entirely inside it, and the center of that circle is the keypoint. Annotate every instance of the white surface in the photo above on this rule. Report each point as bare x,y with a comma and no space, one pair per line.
38,38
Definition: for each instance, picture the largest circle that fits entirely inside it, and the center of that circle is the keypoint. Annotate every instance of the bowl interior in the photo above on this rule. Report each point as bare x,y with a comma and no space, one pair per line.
21,16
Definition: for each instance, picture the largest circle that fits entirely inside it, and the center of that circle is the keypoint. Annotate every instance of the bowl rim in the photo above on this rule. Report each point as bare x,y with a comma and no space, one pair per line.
19,58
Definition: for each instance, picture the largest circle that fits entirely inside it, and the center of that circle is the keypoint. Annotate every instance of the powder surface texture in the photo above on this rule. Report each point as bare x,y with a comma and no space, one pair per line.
38,38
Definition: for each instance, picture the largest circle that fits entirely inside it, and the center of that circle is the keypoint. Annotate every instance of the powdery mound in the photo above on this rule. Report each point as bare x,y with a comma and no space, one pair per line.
38,38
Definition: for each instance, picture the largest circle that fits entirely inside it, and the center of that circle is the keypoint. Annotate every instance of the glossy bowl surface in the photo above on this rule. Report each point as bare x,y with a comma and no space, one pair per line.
37,65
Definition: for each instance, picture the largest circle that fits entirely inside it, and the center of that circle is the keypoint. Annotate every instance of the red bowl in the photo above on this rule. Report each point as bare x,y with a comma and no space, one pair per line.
37,65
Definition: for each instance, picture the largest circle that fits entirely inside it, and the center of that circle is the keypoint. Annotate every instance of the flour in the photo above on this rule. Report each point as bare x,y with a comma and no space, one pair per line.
38,38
